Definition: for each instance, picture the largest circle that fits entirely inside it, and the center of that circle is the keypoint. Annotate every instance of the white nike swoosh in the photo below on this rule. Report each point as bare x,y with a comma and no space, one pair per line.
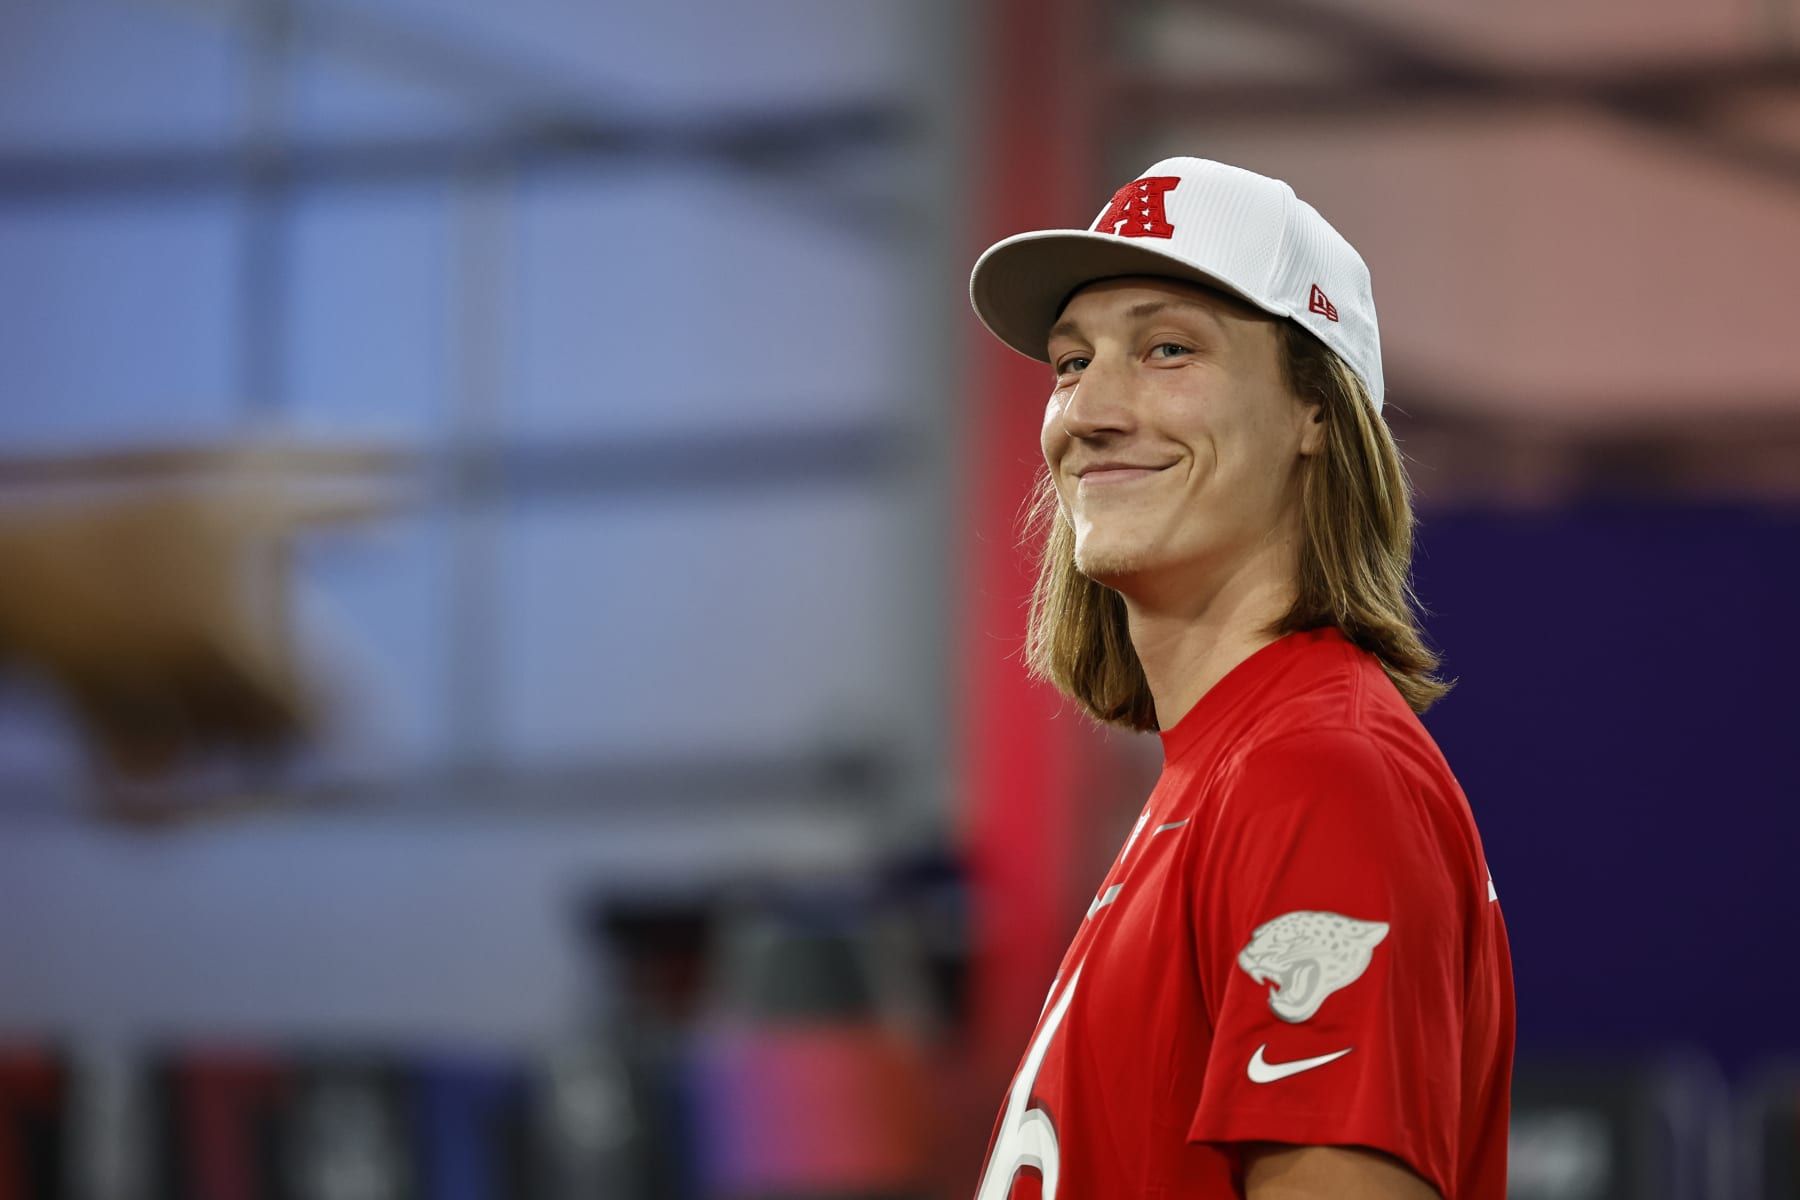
1268,1072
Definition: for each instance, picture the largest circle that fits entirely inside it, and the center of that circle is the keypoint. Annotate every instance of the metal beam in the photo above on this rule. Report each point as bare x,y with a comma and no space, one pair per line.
861,776
685,464
1475,458
780,146
1391,87
1405,72
468,69
719,460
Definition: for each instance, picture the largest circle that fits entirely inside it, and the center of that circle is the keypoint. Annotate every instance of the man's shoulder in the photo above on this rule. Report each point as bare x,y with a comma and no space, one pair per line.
1341,701
1343,782
1341,754
1329,715
1345,723
1328,691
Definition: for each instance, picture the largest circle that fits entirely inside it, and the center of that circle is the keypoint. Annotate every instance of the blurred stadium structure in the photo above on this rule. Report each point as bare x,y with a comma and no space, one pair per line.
671,817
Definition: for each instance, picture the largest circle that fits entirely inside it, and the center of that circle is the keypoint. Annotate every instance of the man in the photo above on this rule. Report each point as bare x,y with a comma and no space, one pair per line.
1294,980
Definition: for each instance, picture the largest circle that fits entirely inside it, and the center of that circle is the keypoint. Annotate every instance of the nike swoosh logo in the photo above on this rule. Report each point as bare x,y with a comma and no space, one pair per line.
1262,1071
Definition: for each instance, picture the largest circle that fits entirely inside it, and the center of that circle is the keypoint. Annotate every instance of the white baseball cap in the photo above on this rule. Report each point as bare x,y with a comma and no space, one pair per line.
1199,220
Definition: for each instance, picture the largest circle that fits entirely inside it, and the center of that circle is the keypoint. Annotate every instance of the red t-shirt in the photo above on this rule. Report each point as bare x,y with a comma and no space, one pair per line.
1298,943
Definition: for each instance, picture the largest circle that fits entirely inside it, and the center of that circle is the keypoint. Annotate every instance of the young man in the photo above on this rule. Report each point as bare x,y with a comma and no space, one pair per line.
1294,980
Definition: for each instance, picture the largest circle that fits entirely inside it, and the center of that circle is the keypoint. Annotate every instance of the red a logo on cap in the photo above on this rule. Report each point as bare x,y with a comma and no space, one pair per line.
1137,209
1319,304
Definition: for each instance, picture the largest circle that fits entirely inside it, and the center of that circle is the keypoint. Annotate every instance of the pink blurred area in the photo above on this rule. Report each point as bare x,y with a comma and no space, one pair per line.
813,1111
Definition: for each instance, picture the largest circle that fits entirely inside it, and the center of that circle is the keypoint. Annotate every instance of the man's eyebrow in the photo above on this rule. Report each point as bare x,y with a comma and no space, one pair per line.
1150,308
1069,327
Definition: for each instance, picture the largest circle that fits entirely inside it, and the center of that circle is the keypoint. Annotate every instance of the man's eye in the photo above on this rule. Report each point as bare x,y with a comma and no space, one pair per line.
1174,347
1071,364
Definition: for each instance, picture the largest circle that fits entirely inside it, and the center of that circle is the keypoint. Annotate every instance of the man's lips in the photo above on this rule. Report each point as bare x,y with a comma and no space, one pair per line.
1107,476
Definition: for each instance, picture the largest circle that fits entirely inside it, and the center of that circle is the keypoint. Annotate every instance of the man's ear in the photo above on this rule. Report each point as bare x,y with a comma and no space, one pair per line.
1312,430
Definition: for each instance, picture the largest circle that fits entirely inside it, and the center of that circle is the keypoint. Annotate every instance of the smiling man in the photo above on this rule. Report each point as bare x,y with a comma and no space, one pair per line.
1294,980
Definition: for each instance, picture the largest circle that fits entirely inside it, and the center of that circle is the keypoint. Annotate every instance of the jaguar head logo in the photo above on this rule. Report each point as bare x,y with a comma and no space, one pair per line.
1308,956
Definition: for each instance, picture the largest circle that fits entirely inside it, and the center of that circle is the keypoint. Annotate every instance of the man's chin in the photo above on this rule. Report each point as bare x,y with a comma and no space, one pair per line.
1108,565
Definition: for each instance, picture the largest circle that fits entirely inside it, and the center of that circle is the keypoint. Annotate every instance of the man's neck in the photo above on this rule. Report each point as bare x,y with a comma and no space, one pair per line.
1187,648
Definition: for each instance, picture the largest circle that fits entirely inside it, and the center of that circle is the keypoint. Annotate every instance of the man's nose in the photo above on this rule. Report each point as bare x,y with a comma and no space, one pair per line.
1100,402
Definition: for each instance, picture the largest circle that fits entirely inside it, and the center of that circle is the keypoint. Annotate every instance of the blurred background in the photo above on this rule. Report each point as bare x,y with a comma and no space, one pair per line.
510,595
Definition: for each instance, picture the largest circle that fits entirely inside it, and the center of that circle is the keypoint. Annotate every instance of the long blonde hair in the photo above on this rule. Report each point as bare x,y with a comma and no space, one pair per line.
1355,560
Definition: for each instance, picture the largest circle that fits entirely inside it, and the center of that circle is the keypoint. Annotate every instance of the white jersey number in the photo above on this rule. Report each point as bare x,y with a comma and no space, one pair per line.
1026,1137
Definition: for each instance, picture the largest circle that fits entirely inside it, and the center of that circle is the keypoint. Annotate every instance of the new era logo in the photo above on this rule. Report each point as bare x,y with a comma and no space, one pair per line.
1319,304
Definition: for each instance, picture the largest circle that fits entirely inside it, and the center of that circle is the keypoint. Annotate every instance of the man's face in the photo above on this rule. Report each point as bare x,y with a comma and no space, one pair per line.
1173,439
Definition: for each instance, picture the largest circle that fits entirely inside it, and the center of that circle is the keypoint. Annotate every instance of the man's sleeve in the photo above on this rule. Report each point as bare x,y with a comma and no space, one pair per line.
1331,925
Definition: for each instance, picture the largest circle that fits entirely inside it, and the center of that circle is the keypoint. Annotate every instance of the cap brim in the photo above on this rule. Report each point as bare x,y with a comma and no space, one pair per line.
1019,286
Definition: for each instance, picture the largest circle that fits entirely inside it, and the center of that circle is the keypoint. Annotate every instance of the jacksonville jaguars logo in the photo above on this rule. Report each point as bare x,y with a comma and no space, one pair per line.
1308,956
